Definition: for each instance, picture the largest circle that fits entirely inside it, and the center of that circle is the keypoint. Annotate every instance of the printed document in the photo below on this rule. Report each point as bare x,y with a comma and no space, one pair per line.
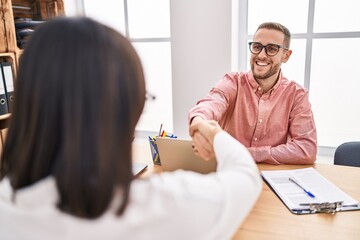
293,195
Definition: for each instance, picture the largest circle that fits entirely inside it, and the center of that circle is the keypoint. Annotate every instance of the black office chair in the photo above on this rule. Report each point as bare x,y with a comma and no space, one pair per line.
348,154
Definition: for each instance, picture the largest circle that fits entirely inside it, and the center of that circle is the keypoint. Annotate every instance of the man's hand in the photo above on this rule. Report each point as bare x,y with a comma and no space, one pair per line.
203,133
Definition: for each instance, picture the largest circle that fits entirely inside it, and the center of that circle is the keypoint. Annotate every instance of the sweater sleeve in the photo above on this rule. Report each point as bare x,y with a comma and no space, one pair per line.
240,179
212,205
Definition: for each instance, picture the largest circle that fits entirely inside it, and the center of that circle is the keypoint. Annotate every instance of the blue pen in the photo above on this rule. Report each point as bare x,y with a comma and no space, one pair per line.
172,136
307,192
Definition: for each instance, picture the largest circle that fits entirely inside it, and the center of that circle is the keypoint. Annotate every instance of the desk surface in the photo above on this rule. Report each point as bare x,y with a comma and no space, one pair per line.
270,219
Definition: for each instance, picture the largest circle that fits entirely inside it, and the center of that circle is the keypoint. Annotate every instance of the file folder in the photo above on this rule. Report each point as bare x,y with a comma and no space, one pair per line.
3,101
26,23
8,83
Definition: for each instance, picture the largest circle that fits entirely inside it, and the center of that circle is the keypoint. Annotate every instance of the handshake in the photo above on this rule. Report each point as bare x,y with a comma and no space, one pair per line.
203,133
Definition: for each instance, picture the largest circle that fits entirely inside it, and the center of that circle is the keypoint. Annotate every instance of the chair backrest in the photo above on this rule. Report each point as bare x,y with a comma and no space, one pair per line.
348,154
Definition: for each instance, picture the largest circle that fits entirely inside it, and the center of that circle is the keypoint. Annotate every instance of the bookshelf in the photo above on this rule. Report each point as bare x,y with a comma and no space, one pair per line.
10,11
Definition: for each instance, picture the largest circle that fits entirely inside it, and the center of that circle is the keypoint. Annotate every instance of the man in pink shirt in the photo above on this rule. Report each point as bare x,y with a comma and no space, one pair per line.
262,109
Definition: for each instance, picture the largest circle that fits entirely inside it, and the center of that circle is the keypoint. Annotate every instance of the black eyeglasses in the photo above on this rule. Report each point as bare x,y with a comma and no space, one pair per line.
270,49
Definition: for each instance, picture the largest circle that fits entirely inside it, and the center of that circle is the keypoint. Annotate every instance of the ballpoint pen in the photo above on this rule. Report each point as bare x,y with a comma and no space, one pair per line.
307,192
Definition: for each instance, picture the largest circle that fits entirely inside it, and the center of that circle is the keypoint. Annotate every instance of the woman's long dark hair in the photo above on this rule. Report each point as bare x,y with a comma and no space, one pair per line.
79,93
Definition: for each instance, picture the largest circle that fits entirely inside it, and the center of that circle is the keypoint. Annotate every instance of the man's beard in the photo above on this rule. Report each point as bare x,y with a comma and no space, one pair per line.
272,71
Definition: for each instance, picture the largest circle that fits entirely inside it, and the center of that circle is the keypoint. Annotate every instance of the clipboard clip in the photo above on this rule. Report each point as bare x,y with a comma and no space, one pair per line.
325,207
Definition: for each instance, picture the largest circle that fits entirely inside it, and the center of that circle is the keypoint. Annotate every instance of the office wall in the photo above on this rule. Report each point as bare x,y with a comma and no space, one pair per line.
72,7
201,52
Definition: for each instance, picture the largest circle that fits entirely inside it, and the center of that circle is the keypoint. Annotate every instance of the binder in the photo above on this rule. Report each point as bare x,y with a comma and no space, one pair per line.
22,23
3,101
8,83
324,197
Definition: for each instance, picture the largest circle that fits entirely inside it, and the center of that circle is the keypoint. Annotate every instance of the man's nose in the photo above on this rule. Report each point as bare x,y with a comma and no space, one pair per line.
262,53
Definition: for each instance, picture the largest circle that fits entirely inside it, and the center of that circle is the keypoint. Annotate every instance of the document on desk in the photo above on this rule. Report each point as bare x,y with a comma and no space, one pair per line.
301,188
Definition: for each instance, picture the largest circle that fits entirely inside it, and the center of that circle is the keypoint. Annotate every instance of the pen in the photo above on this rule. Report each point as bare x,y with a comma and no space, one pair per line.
307,192
160,129
171,136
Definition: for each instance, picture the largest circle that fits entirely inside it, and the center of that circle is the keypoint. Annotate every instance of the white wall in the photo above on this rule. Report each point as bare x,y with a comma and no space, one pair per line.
201,52
73,7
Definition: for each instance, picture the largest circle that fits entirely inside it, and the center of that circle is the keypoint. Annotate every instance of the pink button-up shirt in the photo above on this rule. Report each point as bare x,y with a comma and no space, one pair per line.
276,126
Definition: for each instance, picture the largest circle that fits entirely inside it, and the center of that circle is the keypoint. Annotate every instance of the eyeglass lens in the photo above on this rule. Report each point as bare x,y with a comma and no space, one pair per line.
270,49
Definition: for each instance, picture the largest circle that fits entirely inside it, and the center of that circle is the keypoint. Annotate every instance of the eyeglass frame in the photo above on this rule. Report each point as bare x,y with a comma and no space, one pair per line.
265,47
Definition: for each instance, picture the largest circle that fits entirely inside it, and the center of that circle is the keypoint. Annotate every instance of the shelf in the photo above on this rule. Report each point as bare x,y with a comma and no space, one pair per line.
9,50
7,54
5,120
5,116
15,9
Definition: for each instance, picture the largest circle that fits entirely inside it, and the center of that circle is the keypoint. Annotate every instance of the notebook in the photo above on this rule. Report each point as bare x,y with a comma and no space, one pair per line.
178,154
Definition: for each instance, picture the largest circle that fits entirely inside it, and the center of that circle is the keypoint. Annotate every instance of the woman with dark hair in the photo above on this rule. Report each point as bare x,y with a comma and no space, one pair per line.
66,164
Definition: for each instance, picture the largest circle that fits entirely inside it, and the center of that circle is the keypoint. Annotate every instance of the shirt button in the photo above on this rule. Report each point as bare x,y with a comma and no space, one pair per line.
255,90
259,88
260,120
262,100
255,139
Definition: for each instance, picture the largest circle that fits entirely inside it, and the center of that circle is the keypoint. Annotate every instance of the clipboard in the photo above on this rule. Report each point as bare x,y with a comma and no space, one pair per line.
327,198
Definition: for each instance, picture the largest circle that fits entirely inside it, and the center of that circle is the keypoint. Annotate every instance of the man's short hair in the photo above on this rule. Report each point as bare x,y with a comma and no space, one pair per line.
278,27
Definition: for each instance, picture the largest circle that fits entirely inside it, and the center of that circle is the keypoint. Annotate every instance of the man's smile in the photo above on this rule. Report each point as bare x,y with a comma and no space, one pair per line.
262,63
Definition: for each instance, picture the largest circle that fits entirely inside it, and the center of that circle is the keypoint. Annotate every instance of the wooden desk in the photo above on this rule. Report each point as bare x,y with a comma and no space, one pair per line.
270,219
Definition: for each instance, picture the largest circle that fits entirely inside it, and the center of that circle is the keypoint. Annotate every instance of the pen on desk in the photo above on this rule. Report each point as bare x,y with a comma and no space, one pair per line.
171,136
307,192
160,129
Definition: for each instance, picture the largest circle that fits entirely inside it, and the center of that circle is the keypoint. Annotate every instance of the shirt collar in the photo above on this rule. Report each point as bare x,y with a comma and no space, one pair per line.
256,87
278,83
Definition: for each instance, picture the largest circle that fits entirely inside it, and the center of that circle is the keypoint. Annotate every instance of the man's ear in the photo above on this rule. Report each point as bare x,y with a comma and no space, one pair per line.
287,56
